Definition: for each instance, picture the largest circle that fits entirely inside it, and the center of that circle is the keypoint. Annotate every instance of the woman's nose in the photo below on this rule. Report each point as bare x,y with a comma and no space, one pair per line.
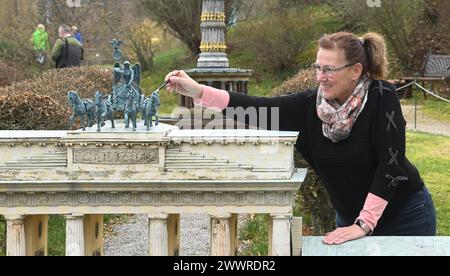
320,76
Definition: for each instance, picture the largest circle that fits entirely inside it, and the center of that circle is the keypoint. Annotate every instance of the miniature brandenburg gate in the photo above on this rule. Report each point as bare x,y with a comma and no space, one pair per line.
162,173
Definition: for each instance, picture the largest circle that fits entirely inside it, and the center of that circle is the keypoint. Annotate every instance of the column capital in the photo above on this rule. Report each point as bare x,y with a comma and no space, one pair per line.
14,217
223,215
281,216
74,216
161,216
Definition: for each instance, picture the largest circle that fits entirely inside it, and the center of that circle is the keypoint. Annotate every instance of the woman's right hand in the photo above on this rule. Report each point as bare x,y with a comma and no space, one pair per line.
181,83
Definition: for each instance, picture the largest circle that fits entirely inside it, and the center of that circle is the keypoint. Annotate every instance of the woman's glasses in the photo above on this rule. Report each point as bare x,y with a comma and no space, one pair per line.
329,70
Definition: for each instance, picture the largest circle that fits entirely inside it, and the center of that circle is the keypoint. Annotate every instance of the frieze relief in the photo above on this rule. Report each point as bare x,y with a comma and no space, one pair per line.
115,156
145,198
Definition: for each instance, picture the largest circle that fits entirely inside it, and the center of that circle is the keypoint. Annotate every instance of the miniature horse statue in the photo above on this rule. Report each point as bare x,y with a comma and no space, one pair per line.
103,111
131,109
151,106
83,109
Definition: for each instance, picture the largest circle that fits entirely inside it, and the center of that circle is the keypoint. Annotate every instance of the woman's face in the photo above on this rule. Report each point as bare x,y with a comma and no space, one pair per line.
337,85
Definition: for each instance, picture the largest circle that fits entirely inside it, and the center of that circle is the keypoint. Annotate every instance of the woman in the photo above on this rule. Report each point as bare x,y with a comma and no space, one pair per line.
352,132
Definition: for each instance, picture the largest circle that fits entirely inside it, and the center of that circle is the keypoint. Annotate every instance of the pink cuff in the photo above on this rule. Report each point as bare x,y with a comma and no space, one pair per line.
214,99
373,210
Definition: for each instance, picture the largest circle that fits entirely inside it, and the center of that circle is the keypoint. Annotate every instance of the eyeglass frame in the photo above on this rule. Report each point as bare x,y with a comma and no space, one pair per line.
319,69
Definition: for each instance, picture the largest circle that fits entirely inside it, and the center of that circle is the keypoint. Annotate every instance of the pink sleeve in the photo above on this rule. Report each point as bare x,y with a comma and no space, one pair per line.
373,210
214,98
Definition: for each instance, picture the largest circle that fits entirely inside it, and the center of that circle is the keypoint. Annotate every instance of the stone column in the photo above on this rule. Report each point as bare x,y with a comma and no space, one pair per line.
235,87
75,235
15,235
280,235
221,235
158,235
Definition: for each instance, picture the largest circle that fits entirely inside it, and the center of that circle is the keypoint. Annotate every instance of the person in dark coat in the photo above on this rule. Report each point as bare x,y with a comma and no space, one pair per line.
67,51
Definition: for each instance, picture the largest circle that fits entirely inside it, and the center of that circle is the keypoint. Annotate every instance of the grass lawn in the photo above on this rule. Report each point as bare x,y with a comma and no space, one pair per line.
431,155
438,110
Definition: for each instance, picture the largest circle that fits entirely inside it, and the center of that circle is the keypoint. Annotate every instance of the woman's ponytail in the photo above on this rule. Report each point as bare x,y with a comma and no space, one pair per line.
377,64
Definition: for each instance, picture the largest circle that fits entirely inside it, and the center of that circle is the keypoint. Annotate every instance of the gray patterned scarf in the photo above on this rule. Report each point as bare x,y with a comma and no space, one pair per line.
338,120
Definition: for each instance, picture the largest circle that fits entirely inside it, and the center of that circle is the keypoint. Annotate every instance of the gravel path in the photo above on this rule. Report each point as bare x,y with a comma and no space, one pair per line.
131,238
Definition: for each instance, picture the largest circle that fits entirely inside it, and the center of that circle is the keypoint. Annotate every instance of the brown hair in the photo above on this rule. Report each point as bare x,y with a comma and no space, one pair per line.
370,51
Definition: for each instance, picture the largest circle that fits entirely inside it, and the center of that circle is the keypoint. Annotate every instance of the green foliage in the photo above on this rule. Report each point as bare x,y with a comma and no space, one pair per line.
56,236
11,50
2,236
281,41
254,237
397,21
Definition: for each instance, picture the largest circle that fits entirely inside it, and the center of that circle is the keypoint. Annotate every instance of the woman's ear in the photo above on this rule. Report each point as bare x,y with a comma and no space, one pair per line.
357,71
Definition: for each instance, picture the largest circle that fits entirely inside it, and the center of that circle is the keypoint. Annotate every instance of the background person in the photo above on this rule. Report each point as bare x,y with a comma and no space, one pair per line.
40,43
67,52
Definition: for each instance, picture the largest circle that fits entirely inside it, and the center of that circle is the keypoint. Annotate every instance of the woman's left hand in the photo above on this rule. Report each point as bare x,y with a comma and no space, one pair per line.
343,235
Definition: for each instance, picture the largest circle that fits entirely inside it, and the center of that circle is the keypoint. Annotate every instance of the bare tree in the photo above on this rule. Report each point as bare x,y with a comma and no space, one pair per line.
182,18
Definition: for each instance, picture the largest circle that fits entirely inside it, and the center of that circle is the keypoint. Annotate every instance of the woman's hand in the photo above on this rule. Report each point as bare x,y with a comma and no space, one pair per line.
181,83
343,235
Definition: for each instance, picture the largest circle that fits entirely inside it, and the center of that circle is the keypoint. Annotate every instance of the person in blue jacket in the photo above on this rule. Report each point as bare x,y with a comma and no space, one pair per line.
77,34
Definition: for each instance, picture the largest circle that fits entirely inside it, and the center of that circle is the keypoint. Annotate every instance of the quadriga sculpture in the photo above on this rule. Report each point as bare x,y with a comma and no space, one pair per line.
103,111
83,109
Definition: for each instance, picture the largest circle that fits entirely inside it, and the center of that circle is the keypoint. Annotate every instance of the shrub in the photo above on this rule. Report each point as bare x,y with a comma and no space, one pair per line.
304,80
312,201
10,73
16,50
30,111
44,97
56,83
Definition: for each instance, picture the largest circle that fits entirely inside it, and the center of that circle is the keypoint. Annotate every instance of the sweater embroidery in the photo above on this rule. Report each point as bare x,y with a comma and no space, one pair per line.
391,121
393,157
395,181
382,88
